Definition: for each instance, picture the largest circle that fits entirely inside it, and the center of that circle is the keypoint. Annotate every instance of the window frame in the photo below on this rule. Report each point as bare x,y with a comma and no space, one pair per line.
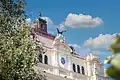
40,58
45,59
74,67
78,68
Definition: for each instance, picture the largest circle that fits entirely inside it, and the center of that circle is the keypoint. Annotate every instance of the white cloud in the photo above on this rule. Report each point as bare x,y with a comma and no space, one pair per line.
82,21
80,49
100,42
28,20
75,45
62,27
51,27
49,21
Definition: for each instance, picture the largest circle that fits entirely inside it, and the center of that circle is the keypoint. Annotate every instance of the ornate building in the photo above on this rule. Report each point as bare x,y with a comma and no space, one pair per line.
60,61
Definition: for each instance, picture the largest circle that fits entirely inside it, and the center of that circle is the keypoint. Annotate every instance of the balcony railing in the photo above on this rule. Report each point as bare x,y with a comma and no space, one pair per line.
60,72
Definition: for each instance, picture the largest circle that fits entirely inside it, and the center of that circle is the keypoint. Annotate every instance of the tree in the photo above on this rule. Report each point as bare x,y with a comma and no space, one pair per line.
17,51
114,61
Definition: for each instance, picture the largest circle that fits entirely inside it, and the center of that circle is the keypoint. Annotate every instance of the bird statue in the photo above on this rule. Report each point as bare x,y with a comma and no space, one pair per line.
60,32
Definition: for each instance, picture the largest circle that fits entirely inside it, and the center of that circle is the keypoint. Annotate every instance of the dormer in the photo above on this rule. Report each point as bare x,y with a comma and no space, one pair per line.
40,25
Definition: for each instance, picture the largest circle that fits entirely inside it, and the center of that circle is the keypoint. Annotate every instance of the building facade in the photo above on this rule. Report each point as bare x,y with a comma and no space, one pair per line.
60,61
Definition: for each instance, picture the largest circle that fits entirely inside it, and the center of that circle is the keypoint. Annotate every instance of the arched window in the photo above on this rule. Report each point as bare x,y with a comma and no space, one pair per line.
40,58
83,71
45,59
78,68
74,68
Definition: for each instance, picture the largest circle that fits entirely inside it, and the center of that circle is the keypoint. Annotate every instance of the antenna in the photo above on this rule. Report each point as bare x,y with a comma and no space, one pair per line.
40,14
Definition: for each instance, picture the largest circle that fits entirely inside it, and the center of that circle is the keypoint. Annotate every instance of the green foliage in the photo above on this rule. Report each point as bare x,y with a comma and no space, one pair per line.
115,47
114,70
17,51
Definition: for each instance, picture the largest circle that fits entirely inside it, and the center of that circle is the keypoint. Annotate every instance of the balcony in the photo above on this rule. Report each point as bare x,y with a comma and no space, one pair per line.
57,71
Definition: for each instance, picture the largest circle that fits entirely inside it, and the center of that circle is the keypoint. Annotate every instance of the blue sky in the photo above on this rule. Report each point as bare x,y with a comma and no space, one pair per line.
95,21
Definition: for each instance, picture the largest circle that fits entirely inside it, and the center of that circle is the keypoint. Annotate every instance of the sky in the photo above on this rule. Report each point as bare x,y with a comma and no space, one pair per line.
90,25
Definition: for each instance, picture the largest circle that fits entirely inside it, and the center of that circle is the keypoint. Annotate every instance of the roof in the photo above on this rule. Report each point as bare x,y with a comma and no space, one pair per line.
42,20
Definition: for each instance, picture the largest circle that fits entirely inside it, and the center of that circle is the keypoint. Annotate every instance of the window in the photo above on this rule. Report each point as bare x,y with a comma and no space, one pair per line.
40,58
45,59
74,69
78,68
83,72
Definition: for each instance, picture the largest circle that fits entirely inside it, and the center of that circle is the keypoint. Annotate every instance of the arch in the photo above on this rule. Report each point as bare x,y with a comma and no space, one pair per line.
78,68
40,58
74,67
83,71
45,59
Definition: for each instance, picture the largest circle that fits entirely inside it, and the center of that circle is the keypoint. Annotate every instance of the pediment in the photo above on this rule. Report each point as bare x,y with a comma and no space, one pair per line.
63,46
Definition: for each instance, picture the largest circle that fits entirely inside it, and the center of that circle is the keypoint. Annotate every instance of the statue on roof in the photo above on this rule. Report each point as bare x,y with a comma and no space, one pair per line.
60,32
59,37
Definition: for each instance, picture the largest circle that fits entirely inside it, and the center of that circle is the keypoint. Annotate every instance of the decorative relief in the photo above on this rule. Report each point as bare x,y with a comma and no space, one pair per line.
63,60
